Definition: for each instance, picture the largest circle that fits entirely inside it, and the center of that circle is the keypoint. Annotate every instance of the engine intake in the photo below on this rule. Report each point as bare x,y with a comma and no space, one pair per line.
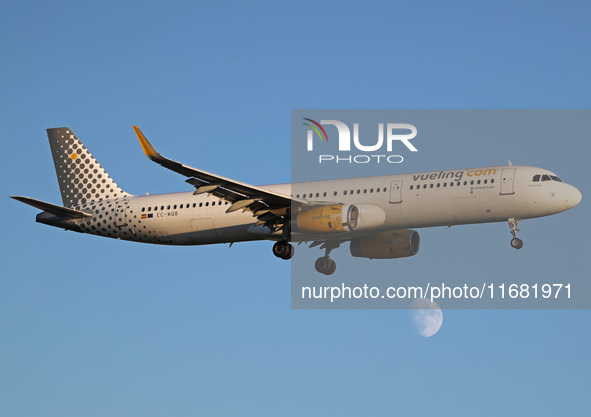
387,245
340,218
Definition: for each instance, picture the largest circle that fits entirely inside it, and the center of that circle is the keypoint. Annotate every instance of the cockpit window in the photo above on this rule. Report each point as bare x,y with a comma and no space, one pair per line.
537,178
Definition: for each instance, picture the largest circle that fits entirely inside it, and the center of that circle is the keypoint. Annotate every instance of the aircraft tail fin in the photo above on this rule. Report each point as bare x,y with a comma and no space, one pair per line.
81,178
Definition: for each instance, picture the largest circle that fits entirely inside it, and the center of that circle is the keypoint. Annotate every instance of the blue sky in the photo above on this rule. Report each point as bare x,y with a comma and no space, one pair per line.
91,326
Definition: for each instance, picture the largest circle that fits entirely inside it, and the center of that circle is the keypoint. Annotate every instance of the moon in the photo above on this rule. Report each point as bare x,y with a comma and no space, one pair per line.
426,316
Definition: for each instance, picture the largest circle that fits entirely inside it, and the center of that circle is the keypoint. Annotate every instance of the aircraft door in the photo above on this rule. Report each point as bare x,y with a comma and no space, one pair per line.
507,181
396,192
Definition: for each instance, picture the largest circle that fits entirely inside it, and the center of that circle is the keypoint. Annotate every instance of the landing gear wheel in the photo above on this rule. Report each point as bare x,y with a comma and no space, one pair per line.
516,243
333,267
325,265
283,250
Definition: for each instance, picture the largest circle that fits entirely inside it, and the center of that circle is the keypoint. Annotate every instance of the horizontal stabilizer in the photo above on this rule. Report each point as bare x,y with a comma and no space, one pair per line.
52,208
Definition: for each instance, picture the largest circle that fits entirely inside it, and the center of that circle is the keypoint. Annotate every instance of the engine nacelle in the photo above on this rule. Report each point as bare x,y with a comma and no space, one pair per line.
340,218
366,216
387,245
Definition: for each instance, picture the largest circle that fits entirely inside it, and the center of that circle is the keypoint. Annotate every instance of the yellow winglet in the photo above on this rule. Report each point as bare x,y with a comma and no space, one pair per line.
149,150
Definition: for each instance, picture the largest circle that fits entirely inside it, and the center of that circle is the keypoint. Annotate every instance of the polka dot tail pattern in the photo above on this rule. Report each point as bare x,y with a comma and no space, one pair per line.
81,178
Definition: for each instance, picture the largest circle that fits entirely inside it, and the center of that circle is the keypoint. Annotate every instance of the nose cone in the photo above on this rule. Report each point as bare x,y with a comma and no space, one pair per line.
573,197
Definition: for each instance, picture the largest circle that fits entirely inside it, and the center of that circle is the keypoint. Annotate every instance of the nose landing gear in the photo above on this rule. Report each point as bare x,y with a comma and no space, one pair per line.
515,242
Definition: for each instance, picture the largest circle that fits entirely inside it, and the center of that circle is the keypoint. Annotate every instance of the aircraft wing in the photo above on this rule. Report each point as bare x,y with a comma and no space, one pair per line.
264,204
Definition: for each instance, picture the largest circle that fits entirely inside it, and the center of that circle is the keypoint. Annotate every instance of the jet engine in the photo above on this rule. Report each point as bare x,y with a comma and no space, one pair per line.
387,245
340,218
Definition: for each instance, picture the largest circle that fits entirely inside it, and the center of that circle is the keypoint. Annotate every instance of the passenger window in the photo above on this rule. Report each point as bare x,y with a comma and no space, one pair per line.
384,189
424,186
472,182
371,190
174,207
206,204
324,195
493,180
536,178
431,186
358,191
200,204
143,209
438,185
365,191
411,187
451,184
335,193
155,208
478,182
444,184
168,207
345,192
485,181
149,208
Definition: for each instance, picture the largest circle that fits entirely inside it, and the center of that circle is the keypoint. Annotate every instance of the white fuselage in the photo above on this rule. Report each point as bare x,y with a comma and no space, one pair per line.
426,199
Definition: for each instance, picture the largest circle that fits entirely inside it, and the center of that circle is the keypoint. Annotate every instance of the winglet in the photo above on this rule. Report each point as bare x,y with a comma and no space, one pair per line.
149,150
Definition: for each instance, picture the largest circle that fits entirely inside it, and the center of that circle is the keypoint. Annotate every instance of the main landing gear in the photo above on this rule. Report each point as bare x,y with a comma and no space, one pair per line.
324,264
283,250
515,242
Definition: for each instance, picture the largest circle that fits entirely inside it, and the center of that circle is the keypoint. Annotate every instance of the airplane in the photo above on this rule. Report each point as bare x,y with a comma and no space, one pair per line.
377,214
